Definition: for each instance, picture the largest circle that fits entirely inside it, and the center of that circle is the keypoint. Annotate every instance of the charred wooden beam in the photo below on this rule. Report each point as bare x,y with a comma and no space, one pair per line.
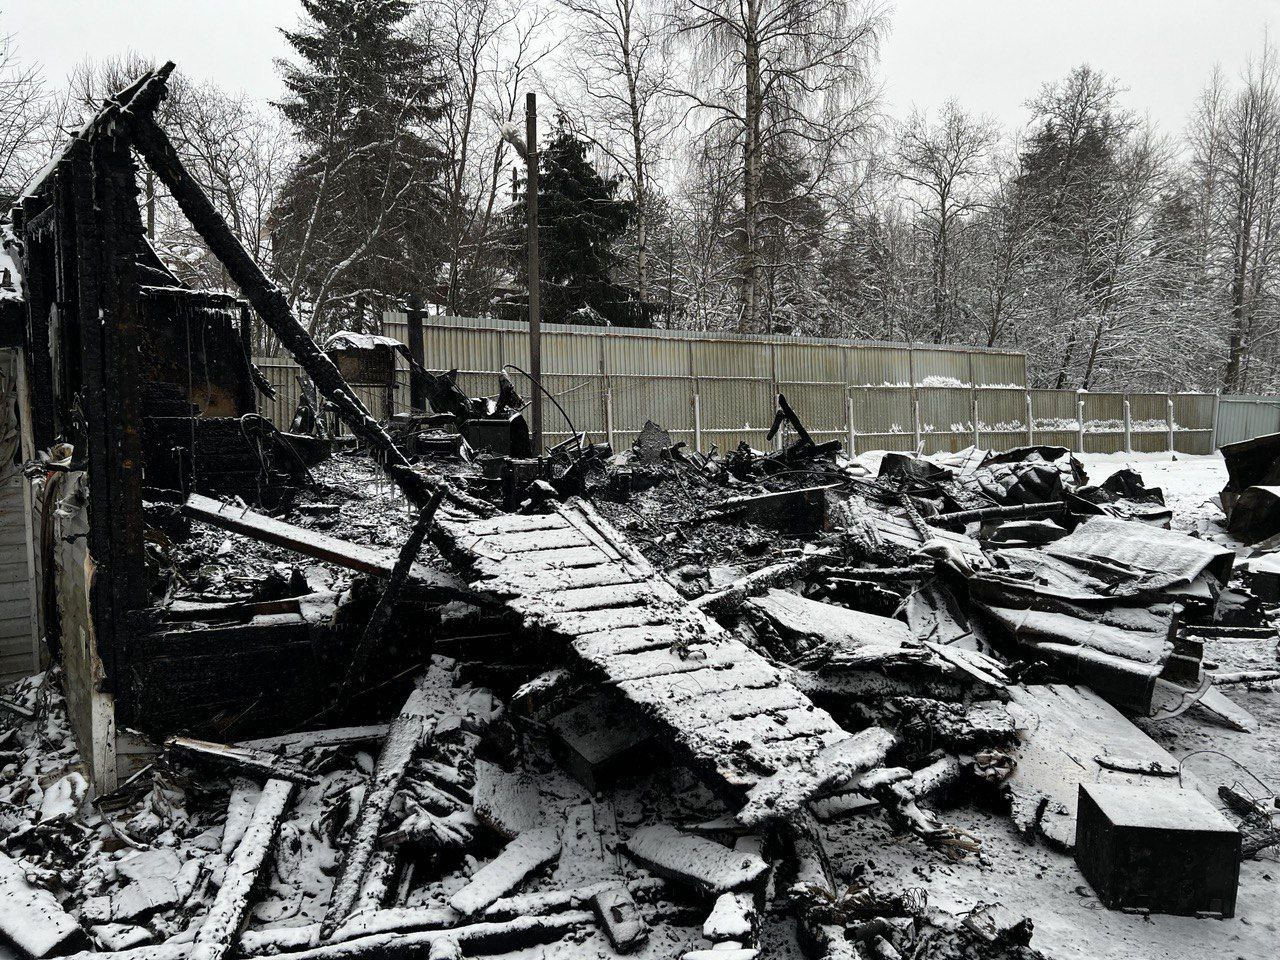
243,760
1016,512
312,543
222,925
404,738
377,626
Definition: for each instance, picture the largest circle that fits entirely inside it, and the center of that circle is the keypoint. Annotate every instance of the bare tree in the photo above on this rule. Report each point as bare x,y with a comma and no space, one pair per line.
1236,142
796,70
949,160
493,49
622,77
24,119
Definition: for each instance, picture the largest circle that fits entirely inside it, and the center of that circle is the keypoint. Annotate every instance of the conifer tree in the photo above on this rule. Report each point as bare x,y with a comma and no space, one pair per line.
359,219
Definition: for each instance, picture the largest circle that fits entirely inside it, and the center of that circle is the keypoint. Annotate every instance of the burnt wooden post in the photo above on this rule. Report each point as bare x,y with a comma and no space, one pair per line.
136,106
107,230
40,233
417,351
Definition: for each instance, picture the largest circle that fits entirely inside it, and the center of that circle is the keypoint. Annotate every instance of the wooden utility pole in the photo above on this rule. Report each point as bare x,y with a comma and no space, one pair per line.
535,323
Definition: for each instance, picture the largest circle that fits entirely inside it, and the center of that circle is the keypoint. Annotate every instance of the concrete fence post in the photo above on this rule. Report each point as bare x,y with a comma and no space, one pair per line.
1213,425
1169,420
608,417
1128,425
853,432
915,417
697,422
973,408
1080,421
1031,422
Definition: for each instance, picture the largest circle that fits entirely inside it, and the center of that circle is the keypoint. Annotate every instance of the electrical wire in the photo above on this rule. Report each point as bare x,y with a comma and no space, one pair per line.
545,393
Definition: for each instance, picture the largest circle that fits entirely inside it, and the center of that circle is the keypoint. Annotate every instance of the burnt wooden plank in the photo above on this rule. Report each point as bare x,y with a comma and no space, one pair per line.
500,545
311,543
586,599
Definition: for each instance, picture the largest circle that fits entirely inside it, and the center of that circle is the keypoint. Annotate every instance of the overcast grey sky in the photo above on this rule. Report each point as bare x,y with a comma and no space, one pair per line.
990,54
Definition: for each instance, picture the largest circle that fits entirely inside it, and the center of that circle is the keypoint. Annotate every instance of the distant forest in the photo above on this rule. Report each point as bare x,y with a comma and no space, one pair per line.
717,165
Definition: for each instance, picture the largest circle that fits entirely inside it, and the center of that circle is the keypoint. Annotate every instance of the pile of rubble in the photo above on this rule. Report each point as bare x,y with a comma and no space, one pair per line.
674,704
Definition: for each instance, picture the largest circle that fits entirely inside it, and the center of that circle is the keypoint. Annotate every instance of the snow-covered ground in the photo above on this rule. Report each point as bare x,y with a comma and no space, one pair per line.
1190,483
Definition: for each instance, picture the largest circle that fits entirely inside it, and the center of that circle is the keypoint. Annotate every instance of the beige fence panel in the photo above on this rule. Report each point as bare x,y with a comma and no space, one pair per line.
946,418
884,418
719,388
1002,418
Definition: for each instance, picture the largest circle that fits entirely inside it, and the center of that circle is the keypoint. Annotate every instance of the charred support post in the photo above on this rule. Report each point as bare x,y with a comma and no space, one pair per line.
105,211
136,106
418,351
535,273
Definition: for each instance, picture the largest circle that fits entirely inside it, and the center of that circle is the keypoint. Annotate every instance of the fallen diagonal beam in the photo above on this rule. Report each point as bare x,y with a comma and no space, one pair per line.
230,908
136,107
377,625
312,543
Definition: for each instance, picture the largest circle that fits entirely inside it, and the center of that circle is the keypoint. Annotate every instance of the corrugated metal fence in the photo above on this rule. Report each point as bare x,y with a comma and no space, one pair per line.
1242,417
718,388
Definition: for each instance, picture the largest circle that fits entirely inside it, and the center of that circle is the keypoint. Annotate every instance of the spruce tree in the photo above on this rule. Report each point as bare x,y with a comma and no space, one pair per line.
580,217
359,217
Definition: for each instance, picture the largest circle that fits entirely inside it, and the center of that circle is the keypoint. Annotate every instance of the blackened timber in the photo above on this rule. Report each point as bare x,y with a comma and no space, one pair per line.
39,299
1015,512
381,617
105,198
230,908
404,738
311,543
417,351
136,107
241,759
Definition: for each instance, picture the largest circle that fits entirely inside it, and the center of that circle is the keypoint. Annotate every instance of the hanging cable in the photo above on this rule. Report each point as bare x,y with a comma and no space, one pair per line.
549,396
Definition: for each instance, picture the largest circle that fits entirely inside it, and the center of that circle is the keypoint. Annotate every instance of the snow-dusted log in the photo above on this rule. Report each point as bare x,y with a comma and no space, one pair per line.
518,859
31,918
755,583
404,737
245,761
227,915
477,939
701,863
784,793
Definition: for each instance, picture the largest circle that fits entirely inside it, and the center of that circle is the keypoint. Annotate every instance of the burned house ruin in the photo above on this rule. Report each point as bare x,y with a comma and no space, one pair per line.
413,691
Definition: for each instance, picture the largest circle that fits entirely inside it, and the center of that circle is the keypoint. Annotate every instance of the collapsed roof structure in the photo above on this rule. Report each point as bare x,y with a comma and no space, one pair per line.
461,702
